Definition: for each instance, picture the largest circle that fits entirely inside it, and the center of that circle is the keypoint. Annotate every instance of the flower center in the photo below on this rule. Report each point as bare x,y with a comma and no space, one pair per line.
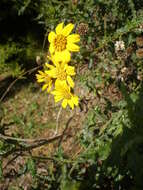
61,74
60,42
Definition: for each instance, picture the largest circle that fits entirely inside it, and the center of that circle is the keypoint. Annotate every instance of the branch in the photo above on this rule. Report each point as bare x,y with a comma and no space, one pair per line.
34,143
11,85
66,127
7,138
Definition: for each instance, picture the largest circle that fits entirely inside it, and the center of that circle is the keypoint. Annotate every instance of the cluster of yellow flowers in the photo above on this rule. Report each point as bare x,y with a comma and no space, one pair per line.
57,77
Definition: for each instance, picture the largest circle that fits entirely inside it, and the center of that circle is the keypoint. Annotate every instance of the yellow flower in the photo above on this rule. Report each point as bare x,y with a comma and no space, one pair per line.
61,71
62,43
44,77
62,92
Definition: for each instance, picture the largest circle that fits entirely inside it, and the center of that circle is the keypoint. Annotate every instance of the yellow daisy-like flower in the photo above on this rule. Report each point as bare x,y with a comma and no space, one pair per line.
44,77
62,43
61,71
62,92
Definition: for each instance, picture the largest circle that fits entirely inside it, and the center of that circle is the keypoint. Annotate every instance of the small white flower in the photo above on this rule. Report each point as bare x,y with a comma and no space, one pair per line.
124,70
119,45
140,29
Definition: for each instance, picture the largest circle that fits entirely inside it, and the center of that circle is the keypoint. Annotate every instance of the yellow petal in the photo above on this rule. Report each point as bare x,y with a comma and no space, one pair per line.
64,103
73,38
38,76
59,28
70,81
58,98
67,29
41,72
50,86
56,59
56,63
54,92
44,87
40,80
57,83
49,66
75,100
51,48
73,47
65,86
51,36
63,65
63,56
71,104
52,73
61,86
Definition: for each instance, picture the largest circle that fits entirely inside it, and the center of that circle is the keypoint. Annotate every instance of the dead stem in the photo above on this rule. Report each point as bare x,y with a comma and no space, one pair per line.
57,121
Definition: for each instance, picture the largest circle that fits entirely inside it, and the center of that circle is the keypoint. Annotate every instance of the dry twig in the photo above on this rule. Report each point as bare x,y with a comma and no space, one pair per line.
11,85
30,143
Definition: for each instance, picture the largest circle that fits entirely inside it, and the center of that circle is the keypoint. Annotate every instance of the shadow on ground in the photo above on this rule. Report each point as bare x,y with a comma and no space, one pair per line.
20,83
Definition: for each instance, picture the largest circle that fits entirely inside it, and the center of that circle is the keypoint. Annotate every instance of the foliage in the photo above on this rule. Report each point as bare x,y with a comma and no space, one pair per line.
7,53
18,44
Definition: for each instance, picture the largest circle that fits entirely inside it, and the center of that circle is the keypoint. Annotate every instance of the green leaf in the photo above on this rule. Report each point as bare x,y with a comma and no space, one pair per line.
31,166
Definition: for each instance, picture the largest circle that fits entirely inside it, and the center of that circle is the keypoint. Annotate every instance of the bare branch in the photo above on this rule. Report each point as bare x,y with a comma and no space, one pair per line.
31,143
4,137
11,85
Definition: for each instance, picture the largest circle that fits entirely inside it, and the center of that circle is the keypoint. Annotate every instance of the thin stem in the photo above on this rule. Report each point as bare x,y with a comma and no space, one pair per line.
44,41
57,121
66,127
